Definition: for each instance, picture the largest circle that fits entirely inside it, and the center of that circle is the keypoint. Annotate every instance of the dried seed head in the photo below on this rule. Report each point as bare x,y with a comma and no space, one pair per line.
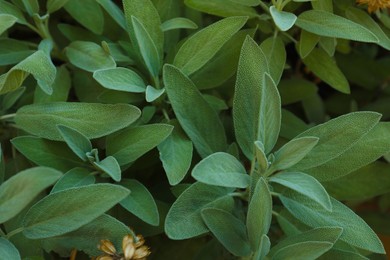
140,241
107,247
128,247
105,257
374,5
141,252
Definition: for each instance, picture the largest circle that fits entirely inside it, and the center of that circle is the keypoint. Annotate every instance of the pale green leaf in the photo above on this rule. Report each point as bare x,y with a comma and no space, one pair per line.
178,23
121,79
8,250
312,250
111,167
31,6
222,8
151,93
261,157
6,21
8,8
283,20
263,249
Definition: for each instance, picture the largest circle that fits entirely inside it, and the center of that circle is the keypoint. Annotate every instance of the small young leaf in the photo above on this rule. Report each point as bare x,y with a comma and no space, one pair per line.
76,177
18,191
203,45
140,202
111,167
283,20
64,211
261,156
88,13
228,229
8,250
305,185
178,23
259,213
92,120
152,93
121,79
221,169
131,143
76,141
263,250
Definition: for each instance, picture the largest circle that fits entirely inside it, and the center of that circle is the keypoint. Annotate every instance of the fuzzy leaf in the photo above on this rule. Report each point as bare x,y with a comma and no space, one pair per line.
76,141
8,250
74,178
88,13
121,79
111,167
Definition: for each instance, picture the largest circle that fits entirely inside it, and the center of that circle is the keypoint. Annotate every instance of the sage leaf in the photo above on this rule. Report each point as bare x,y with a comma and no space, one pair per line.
263,250
75,177
121,79
222,8
327,24
313,250
89,56
261,156
92,120
176,154
247,2
55,5
111,167
131,143
221,169
67,210
283,20
6,21
76,141
307,42
10,9
295,89
203,45
178,23
88,13
19,190
275,52
355,231
13,51
197,118
2,165
184,219
305,185
140,202
8,250
151,93
259,213
228,229
114,11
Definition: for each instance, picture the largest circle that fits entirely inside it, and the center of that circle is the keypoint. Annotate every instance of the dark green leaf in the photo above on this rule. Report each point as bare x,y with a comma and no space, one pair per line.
54,5
221,8
275,52
76,141
6,21
263,249
88,13
74,178
296,89
8,250
307,43
8,8
114,11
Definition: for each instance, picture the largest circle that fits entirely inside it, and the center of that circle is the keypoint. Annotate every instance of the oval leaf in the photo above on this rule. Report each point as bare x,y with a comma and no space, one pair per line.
74,178
121,79
76,141
8,250
283,20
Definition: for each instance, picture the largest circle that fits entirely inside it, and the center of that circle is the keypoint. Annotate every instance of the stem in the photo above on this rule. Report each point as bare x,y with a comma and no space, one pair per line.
275,194
240,195
7,116
275,213
165,113
14,232
156,82
2,233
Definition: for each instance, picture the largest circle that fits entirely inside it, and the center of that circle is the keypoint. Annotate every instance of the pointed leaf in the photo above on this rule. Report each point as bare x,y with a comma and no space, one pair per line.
76,141
76,177
152,93
88,13
275,52
222,7
6,21
263,250
121,79
178,23
313,250
307,43
283,20
111,167
54,5
114,11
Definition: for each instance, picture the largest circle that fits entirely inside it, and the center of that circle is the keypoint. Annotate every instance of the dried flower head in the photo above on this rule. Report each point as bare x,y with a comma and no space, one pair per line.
374,5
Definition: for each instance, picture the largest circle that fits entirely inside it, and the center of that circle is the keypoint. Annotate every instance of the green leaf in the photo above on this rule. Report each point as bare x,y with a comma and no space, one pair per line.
259,213
263,249
11,98
38,65
114,11
76,141
336,137
92,120
88,236
275,52
305,185
19,190
178,23
355,231
256,104
325,67
198,119
8,8
111,167
293,152
55,5
313,250
341,254
6,21
88,13
8,250
283,20
221,169
184,218
307,42
13,51
327,24
89,56
247,2
75,177
228,229
261,157
31,6
140,202
296,89
151,93
121,79
131,143
2,165
203,45
222,8
61,87
64,211
47,153
176,154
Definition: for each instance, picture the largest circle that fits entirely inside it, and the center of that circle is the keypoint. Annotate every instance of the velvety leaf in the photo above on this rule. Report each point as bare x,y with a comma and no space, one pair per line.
61,87
54,5
88,236
111,167
151,93
261,157
263,250
47,153
13,51
88,13
89,56
184,218
221,8
6,21
11,98
131,143
38,65
203,45
92,120
76,141
8,8
256,105
140,202
336,137
19,190
67,210
283,20
200,122
340,255
221,169
259,213
114,11
178,23
176,154
327,24
8,250
275,52
121,79
228,229
313,249
293,151
305,185
76,177
355,231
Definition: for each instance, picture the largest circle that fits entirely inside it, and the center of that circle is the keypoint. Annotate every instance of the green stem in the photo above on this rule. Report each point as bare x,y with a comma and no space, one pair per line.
14,232
275,213
275,194
2,234
7,116
165,113
240,195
